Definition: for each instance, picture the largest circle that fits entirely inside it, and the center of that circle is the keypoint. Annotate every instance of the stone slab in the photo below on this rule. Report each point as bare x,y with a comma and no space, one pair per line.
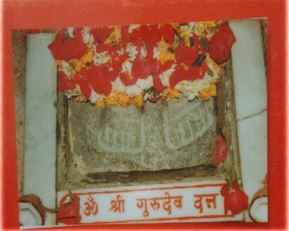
19,66
171,135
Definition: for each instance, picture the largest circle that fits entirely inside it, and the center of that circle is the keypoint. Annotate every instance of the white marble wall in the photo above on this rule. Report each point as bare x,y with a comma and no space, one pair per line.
40,122
251,102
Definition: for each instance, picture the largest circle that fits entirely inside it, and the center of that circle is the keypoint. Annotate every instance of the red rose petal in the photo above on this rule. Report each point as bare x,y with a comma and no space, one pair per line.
105,47
225,190
83,78
168,33
100,34
101,85
118,60
221,150
65,48
100,79
127,79
137,70
163,67
142,68
85,89
125,36
221,43
111,75
235,200
158,85
186,54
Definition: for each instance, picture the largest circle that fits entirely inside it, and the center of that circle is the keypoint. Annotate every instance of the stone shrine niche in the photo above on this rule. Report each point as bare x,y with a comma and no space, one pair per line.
164,142
130,127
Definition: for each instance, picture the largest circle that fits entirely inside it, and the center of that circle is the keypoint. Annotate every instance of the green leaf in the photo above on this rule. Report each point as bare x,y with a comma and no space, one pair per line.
199,60
204,42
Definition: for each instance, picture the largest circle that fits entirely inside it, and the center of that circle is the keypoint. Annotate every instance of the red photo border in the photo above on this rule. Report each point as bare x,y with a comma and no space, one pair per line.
33,14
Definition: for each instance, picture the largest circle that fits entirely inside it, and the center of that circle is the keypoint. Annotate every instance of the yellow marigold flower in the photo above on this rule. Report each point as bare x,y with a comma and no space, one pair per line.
165,54
87,58
80,98
203,28
123,99
170,93
185,33
76,64
100,103
112,98
138,101
114,37
209,91
217,70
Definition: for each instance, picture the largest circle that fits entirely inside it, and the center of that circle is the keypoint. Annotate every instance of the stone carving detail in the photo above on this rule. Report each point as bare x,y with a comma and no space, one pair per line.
122,134
183,124
165,135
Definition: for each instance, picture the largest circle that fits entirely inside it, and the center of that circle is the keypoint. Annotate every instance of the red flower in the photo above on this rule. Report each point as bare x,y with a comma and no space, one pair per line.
142,68
101,84
221,150
181,74
100,34
167,32
125,36
65,48
235,200
151,34
106,47
158,85
117,61
82,78
101,78
160,68
128,79
188,55
97,78
221,43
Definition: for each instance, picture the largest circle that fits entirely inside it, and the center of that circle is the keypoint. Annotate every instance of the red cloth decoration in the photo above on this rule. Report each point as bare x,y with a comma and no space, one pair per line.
69,212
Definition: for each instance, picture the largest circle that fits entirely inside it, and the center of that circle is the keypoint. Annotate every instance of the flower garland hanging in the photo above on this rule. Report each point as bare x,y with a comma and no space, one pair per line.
124,65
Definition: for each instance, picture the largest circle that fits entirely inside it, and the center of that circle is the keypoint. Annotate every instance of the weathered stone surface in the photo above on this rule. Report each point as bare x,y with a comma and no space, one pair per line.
19,65
166,135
